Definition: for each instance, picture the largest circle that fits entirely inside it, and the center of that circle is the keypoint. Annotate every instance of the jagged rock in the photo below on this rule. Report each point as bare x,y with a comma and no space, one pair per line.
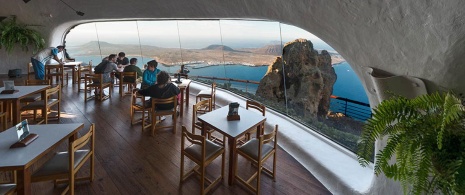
309,79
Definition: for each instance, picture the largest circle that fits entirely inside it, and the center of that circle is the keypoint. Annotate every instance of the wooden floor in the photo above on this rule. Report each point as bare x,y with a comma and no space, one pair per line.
129,161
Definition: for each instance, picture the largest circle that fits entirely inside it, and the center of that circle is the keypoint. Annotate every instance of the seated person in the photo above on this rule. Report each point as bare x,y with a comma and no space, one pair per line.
122,59
150,74
133,68
106,67
163,89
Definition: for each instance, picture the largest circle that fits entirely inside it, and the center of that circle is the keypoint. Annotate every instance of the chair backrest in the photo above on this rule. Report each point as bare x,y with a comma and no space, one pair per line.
193,139
36,82
91,78
53,91
87,68
268,138
78,144
255,105
202,106
136,98
30,71
158,101
128,74
82,141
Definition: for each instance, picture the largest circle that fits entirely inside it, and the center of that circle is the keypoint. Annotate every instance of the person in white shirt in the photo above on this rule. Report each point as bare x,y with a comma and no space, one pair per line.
40,58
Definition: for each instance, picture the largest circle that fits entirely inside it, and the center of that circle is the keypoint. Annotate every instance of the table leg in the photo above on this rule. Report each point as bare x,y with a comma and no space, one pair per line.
187,96
182,101
73,78
232,160
204,129
24,181
16,111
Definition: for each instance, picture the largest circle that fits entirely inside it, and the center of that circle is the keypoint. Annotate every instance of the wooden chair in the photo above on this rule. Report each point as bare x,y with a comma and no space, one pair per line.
80,73
156,113
138,104
203,152
64,165
57,71
257,106
94,82
33,97
266,146
129,85
52,98
202,107
210,94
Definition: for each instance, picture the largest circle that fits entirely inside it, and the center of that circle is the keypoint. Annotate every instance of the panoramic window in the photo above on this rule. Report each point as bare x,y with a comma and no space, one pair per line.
289,69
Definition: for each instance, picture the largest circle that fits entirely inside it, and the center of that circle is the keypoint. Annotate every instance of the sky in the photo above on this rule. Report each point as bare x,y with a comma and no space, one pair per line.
191,34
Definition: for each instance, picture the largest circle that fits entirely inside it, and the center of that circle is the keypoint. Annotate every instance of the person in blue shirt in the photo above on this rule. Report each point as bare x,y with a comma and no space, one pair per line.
40,58
150,74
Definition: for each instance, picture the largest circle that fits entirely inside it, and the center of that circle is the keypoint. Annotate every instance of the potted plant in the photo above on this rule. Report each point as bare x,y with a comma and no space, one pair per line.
425,145
13,33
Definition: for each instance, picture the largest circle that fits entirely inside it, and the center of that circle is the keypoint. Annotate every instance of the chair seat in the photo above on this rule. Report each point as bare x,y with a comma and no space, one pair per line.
140,105
31,98
59,163
250,148
39,104
163,112
6,188
210,150
98,85
205,93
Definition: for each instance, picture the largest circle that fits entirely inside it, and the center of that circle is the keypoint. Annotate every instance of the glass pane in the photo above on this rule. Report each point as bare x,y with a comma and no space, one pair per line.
250,47
160,41
82,44
326,95
202,50
115,37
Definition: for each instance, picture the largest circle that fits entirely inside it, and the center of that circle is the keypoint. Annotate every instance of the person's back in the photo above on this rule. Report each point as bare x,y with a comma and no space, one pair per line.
162,90
132,68
109,67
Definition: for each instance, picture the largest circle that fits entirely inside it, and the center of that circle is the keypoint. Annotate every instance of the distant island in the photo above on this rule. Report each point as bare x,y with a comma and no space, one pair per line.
210,55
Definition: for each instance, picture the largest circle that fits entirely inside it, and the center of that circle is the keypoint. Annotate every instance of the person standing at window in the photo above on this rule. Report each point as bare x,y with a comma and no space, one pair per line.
150,74
40,58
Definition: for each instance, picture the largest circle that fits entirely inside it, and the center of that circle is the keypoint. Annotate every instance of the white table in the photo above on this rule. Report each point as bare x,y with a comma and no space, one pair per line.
232,129
15,98
21,159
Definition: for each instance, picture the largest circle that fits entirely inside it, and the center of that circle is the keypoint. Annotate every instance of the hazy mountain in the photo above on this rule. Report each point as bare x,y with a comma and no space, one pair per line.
218,47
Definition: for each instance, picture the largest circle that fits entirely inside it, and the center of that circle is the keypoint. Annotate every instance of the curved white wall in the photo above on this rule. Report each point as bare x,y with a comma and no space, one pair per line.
423,39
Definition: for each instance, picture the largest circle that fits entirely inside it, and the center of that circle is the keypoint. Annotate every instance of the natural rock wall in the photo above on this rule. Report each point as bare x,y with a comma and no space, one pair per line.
309,78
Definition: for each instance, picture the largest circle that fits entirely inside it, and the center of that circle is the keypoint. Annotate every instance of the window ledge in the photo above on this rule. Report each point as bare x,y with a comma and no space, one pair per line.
334,166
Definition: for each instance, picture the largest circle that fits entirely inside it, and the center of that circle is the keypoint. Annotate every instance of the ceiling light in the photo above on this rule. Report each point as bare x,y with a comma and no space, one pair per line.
77,12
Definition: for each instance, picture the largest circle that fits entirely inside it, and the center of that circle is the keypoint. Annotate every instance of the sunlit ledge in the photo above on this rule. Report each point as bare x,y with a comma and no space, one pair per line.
334,166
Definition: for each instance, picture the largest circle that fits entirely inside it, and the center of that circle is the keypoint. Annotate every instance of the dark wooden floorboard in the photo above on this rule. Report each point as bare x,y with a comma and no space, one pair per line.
129,161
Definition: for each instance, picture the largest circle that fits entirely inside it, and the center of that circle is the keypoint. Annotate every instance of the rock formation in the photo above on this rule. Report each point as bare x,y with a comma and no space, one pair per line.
309,78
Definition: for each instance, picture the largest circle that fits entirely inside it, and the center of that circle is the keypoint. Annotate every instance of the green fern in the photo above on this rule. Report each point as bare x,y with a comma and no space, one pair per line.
425,136
12,33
